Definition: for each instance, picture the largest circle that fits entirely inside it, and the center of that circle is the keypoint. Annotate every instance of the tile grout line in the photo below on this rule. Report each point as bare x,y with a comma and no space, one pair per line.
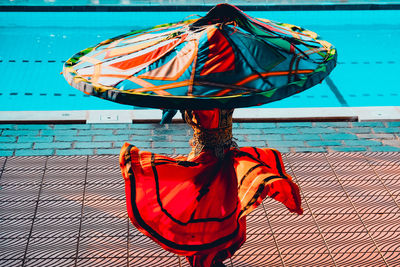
273,235
179,261
312,215
35,212
377,175
127,242
81,217
4,166
354,207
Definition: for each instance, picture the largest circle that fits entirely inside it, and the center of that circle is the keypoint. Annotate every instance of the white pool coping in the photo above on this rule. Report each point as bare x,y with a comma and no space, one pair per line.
379,113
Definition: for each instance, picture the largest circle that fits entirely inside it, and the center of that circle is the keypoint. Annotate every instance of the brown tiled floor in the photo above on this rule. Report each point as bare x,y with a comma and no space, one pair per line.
70,211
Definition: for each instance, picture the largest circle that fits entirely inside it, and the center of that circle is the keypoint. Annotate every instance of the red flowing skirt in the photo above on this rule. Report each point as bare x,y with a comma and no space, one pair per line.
198,206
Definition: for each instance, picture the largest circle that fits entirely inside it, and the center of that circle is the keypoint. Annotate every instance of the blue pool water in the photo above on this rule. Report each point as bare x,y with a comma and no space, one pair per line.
34,45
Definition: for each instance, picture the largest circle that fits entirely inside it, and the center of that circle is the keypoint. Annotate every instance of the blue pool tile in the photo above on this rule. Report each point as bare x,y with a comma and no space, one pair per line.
109,151
110,126
256,125
74,152
358,130
384,149
347,149
376,136
393,124
338,124
155,138
294,124
395,130
310,149
89,139
95,132
36,139
165,130
93,145
72,126
317,130
7,126
170,144
17,145
283,149
236,125
111,138
324,143
169,132
53,145
6,153
395,142
59,132
143,126
281,130
273,143
305,137
69,138
178,137
8,139
339,136
38,152
34,127
362,143
264,137
145,132
20,132
179,126
368,124
163,138
247,131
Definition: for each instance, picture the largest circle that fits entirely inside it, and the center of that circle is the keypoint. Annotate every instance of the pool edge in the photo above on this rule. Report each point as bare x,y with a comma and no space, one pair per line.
378,113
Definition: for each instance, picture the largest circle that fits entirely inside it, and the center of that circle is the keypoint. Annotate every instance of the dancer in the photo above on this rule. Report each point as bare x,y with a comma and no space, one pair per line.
196,206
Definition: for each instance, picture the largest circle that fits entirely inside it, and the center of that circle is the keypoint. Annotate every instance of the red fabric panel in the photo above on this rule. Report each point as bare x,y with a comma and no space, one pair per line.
208,119
286,192
202,197
221,57
216,255
192,207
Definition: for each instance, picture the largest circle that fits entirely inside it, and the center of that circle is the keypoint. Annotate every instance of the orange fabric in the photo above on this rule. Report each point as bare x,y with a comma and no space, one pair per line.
146,58
260,172
174,68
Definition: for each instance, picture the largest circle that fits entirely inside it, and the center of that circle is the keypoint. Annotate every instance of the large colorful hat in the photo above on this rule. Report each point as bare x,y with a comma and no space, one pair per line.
225,59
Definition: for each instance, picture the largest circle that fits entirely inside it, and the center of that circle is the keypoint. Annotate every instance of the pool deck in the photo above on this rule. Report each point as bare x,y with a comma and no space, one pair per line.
172,139
62,195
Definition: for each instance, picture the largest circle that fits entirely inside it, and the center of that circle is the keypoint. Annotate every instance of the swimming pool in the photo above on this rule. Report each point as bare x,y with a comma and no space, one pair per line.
35,44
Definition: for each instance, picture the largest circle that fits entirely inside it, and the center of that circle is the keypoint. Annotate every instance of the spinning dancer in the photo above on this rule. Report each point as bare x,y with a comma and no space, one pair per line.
196,206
